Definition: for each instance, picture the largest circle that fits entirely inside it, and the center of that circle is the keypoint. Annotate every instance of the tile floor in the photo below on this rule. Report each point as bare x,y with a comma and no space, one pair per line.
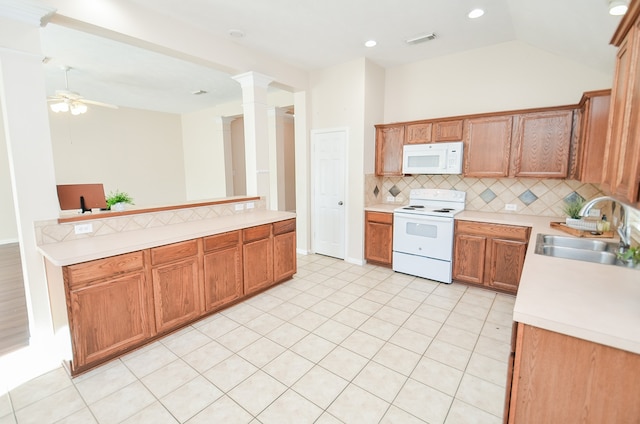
339,343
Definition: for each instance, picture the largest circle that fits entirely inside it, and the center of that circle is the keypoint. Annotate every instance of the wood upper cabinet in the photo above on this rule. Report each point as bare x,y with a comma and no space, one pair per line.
622,174
378,238
176,283
222,269
541,144
389,142
594,117
109,307
487,146
418,133
284,250
257,254
490,255
562,379
450,130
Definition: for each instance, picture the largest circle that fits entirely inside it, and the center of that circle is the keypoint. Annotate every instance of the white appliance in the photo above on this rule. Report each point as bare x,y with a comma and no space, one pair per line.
432,158
423,233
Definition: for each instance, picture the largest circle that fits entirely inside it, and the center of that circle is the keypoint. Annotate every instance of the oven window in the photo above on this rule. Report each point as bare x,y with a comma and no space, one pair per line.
422,230
422,161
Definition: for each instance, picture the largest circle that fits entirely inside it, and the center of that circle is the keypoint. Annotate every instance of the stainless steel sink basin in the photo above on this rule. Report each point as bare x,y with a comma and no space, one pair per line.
580,249
595,256
575,243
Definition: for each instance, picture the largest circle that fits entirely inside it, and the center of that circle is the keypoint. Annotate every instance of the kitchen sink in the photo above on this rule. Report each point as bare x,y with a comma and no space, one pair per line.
580,249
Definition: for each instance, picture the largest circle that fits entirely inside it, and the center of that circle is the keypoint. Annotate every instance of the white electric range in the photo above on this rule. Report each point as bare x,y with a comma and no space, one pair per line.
423,233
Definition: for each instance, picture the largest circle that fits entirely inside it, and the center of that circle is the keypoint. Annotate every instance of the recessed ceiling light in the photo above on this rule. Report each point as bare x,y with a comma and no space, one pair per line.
370,43
475,13
618,7
236,33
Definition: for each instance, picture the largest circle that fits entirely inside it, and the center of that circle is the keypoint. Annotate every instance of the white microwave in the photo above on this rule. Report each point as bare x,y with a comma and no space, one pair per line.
432,158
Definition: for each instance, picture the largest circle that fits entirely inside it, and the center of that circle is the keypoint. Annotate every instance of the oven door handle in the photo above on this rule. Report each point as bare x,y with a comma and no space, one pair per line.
421,218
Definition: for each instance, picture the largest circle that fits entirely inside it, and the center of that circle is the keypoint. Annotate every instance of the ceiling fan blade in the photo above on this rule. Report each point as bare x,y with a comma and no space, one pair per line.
95,103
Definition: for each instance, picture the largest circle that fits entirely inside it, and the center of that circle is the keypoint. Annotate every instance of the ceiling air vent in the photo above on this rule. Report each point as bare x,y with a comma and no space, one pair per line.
421,38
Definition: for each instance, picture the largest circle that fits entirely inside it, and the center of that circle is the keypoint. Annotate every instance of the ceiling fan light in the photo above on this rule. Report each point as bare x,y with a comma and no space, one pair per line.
618,7
59,107
77,108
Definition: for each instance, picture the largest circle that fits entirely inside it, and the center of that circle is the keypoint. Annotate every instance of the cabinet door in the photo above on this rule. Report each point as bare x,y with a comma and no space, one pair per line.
542,143
618,121
389,142
504,264
469,258
628,176
448,130
419,133
222,276
284,256
258,264
378,238
176,293
487,144
108,317
593,136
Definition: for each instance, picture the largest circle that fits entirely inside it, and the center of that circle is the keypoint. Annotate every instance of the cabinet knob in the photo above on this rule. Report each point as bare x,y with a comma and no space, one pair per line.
340,203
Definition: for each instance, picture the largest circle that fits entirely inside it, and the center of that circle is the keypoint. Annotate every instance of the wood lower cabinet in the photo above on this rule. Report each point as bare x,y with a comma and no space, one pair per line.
222,269
542,143
109,307
490,255
562,379
487,146
284,250
121,302
257,254
176,284
378,238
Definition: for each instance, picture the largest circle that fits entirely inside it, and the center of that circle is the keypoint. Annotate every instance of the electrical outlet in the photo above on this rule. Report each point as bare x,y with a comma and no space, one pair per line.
250,205
239,207
510,207
391,199
83,228
595,212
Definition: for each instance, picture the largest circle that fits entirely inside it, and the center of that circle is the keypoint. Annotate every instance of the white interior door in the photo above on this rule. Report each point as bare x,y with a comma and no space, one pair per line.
328,151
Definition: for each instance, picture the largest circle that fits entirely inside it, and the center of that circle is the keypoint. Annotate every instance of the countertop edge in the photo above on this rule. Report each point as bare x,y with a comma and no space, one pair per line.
98,247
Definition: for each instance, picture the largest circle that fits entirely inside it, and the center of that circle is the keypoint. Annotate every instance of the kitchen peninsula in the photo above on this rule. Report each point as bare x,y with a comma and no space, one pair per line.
117,291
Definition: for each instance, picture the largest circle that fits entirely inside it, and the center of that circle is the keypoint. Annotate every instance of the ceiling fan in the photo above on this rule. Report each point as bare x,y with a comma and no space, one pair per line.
70,101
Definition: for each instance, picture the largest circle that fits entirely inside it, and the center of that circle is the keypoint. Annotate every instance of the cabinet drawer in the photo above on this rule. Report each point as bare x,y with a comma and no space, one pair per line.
173,252
221,241
256,233
512,232
284,226
381,217
102,268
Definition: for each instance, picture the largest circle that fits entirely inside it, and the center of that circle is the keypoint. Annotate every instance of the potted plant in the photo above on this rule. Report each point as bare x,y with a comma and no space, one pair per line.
574,219
116,200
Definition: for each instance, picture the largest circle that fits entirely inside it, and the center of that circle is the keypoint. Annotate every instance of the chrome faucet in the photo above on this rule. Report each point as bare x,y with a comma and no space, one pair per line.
624,230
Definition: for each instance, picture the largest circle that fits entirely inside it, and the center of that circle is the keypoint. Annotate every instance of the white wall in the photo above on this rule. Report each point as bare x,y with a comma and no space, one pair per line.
507,76
338,100
204,165
139,152
8,228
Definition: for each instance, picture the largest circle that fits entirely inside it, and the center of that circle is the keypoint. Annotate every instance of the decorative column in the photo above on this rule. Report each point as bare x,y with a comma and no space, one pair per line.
256,132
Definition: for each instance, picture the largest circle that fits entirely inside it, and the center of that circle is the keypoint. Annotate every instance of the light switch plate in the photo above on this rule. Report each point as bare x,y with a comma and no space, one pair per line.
510,207
250,205
595,213
239,207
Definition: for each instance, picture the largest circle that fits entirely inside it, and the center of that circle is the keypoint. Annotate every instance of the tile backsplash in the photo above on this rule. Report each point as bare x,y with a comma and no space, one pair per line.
52,232
532,196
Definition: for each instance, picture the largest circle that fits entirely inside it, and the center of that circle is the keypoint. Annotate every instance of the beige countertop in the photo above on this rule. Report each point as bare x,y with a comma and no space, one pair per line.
599,303
91,248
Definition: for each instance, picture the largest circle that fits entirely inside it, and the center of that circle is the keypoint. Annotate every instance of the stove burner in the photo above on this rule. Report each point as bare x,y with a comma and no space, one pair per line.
416,206
443,210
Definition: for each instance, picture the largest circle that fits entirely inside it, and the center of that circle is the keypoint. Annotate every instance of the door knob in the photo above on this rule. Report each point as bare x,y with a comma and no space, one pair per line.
340,203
